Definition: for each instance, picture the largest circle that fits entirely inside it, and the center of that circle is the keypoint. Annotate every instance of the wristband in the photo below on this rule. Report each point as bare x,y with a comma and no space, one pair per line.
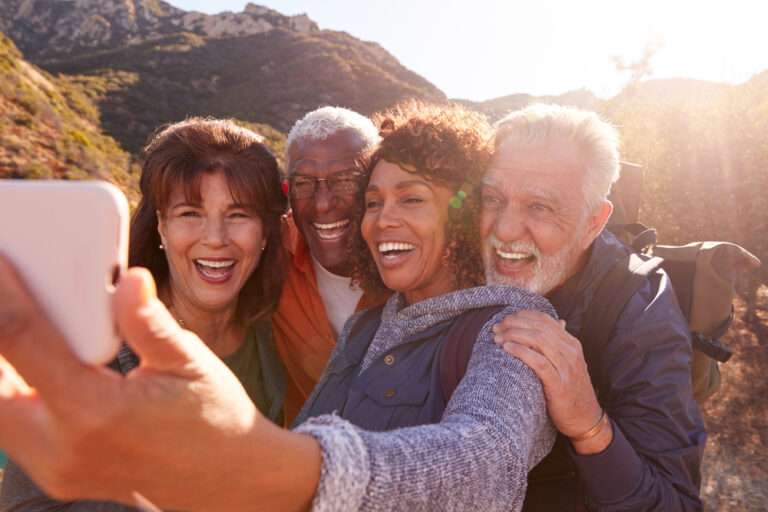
589,434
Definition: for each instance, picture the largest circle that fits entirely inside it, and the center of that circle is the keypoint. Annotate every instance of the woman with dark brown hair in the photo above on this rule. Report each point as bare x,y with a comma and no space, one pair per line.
208,229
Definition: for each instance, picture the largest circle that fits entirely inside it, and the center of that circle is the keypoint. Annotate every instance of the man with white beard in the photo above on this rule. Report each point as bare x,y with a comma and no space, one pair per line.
638,443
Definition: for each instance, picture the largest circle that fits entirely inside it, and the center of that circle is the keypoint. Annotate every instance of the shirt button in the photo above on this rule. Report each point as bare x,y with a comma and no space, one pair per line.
389,359
389,393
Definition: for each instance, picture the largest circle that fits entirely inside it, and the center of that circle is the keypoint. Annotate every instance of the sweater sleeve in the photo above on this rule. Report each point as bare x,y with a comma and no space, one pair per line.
495,428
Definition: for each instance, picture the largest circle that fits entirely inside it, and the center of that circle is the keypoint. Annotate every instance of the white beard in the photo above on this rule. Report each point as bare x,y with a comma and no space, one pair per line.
547,272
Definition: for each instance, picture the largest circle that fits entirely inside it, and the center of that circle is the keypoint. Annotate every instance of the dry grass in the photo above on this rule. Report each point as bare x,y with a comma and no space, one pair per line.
735,468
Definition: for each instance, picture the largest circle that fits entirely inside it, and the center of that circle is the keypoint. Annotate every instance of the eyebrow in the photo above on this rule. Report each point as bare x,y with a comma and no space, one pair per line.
311,164
489,182
401,185
542,194
230,206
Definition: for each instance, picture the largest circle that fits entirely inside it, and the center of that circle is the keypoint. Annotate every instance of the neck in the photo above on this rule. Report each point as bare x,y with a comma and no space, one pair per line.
217,328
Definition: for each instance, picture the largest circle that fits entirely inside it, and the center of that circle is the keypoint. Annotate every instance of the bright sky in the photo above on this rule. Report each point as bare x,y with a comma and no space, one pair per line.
484,49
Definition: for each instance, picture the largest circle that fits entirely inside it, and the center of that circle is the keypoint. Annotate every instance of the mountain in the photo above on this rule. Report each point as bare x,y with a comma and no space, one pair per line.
155,63
50,128
497,108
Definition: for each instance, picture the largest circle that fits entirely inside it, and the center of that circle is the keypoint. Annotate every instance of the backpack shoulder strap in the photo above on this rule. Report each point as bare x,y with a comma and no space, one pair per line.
365,317
613,292
457,347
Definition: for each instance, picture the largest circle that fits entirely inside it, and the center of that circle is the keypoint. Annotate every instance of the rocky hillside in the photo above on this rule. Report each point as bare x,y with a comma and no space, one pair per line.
50,128
51,30
156,63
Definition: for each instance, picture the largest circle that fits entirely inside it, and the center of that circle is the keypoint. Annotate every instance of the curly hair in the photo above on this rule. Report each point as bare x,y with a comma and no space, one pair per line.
178,155
449,145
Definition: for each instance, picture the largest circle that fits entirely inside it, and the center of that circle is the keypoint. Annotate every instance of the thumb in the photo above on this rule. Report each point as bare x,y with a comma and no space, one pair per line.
149,329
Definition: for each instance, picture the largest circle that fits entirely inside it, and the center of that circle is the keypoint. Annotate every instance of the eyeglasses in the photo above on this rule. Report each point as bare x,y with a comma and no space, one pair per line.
300,186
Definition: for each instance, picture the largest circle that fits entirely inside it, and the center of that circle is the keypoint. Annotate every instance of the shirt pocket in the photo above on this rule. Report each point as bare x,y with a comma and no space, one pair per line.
389,404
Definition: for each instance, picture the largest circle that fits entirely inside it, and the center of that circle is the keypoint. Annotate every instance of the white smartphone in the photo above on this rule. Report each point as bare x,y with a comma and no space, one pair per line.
68,240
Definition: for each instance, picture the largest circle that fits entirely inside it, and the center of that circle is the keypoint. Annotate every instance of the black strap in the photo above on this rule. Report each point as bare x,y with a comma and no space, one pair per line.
621,282
458,345
366,316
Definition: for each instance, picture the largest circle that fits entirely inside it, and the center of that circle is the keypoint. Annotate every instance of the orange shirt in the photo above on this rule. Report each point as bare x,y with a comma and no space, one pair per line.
302,334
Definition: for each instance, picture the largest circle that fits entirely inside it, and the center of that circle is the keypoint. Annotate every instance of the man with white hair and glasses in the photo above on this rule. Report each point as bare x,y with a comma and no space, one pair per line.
638,443
324,151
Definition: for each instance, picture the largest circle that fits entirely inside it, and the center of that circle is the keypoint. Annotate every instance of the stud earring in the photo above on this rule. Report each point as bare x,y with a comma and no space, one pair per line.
161,247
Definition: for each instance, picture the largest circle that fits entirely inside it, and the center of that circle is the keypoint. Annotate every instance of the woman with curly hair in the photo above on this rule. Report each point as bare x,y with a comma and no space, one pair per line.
419,239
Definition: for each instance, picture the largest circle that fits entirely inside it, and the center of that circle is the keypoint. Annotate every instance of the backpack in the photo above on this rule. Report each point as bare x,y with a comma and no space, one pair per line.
702,274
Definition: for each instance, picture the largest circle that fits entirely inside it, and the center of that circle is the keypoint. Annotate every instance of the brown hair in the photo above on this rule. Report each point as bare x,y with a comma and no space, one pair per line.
451,146
180,154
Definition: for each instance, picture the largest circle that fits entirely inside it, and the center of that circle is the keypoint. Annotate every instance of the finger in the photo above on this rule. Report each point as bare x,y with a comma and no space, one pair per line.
540,364
542,342
149,328
513,320
536,321
30,343
22,426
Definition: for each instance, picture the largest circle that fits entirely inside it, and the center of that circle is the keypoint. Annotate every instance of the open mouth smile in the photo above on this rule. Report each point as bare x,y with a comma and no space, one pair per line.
217,271
393,250
332,230
513,259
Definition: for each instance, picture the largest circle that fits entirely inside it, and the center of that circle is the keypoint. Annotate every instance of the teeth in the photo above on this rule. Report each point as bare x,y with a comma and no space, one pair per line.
395,246
332,225
512,255
215,264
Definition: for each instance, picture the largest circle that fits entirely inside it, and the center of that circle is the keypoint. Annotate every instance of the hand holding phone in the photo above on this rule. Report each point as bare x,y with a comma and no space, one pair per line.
68,241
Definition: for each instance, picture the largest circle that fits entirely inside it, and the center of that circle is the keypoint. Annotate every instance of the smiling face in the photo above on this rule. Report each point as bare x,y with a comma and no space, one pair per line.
324,220
404,226
532,223
212,247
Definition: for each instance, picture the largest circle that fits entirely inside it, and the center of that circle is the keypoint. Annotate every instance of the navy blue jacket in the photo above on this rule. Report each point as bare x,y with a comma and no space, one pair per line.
654,460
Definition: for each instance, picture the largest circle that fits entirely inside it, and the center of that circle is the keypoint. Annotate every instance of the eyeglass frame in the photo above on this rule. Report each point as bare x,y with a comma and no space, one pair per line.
287,188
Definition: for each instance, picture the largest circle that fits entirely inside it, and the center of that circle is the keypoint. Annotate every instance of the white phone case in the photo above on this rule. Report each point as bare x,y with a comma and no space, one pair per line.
68,240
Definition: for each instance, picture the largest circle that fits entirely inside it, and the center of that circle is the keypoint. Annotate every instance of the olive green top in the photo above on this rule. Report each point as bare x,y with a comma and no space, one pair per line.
257,368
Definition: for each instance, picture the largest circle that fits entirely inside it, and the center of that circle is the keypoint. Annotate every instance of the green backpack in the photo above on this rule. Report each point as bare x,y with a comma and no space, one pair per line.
702,275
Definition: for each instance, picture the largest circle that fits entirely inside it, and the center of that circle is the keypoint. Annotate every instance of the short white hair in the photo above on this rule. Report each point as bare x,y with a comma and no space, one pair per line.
540,124
326,121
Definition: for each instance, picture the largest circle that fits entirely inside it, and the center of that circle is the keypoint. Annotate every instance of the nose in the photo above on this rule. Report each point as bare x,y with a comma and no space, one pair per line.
324,200
215,232
507,224
389,215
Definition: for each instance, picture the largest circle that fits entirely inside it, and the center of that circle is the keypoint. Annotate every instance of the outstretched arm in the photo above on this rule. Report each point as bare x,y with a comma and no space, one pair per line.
180,429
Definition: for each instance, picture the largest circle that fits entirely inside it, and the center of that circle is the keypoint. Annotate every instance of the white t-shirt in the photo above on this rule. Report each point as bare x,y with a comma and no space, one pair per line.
339,299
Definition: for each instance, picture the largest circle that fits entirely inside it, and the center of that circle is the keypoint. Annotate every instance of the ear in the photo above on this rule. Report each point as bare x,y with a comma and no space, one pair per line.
596,222
264,237
161,226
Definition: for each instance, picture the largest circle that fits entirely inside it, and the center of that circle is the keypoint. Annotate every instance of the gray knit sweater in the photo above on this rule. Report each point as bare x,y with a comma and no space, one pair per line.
494,430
